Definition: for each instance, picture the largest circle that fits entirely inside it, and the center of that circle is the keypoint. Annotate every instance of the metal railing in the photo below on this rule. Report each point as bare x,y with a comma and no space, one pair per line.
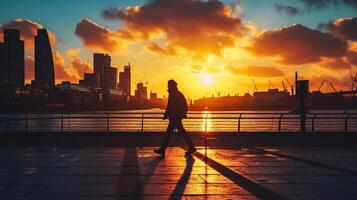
195,122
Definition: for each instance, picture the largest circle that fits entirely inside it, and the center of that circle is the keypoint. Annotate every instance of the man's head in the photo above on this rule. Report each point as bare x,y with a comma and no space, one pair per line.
171,85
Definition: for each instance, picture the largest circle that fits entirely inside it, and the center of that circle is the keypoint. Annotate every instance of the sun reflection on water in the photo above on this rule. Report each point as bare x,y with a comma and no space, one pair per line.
207,124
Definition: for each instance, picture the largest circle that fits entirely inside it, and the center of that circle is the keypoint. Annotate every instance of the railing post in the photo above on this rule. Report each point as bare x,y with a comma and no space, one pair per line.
61,122
108,122
313,123
69,122
206,123
346,123
280,118
206,138
240,116
27,122
142,122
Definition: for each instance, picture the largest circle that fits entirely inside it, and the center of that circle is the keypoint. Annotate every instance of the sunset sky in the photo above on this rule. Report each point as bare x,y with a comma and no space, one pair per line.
206,46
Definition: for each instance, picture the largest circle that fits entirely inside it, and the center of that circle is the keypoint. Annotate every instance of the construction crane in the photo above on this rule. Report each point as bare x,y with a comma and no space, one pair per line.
354,80
282,82
291,86
270,84
255,86
321,85
334,89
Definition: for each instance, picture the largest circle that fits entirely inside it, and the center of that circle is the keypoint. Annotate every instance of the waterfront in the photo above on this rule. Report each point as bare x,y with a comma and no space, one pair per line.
151,121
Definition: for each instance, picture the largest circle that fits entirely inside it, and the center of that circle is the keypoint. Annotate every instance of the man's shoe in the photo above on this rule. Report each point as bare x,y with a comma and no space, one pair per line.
190,151
160,151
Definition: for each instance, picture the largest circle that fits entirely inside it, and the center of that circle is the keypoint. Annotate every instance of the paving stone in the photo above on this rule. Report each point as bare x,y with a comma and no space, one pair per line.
123,173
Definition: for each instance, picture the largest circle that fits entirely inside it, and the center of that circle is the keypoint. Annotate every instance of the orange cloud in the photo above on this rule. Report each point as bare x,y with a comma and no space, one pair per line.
256,71
155,48
208,70
297,44
28,30
62,73
344,27
352,57
79,66
335,63
97,37
201,27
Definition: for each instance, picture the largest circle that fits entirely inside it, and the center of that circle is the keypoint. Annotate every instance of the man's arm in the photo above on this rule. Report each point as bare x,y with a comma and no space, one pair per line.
168,107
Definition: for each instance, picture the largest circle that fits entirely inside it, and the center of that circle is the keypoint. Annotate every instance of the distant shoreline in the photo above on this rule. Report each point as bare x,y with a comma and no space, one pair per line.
144,109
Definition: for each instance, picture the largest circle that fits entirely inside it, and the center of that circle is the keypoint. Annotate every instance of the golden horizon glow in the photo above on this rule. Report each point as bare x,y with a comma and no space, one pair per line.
206,79
207,51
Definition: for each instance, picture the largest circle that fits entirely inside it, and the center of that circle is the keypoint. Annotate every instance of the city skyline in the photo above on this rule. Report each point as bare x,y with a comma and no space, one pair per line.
219,51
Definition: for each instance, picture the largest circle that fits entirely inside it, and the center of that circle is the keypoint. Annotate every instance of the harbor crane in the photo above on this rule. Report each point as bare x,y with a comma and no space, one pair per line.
334,89
271,86
255,86
323,82
291,86
282,82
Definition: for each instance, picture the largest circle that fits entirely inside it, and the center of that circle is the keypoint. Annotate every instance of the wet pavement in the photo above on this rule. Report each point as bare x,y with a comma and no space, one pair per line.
133,173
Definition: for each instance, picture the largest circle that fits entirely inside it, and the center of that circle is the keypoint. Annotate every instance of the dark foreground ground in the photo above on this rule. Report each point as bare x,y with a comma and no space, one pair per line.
133,173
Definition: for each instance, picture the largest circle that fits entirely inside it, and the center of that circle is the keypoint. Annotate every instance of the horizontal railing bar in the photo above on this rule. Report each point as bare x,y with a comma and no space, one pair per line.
190,113
134,122
128,117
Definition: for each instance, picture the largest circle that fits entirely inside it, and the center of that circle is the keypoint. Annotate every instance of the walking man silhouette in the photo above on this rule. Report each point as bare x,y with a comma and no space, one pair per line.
176,110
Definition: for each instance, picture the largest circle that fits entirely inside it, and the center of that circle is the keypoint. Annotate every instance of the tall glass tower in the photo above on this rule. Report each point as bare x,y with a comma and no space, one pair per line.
44,67
12,55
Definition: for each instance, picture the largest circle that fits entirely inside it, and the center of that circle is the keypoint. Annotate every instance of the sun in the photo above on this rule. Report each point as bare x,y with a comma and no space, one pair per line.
206,79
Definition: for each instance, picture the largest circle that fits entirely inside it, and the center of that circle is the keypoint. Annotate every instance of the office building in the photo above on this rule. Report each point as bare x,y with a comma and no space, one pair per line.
141,91
44,67
125,80
66,94
3,64
111,78
88,80
101,62
12,58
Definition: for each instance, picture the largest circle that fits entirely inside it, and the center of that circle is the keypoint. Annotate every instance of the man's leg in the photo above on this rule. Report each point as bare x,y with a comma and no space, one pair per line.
184,134
169,132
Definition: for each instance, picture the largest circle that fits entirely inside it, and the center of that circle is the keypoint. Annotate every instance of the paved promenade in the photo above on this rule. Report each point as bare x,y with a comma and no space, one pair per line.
133,173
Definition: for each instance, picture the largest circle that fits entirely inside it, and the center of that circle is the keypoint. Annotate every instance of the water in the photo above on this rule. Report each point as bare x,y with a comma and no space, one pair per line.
151,121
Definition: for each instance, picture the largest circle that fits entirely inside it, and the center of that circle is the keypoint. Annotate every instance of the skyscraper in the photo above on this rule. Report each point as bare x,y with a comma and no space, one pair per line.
44,67
111,78
101,61
125,80
12,58
141,91
3,64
